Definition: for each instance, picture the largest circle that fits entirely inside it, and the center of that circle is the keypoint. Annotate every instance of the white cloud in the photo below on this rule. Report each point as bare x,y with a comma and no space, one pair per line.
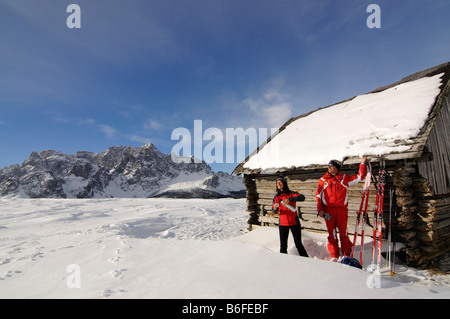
271,110
152,125
277,114
109,131
139,139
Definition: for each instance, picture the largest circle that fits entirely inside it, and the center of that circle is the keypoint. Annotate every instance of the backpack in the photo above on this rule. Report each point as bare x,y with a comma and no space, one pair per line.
351,262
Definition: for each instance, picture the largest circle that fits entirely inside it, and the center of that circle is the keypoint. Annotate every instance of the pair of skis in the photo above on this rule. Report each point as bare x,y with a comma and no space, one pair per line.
362,212
378,219
362,216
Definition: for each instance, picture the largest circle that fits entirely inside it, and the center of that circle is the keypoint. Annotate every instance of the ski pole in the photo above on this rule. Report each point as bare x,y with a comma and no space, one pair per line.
389,230
358,219
394,238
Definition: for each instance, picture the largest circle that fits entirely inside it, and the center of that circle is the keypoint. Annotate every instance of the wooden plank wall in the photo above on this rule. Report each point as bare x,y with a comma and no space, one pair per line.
437,170
431,231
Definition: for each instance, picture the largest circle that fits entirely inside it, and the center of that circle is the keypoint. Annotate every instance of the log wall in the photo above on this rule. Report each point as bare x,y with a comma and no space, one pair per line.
425,216
436,168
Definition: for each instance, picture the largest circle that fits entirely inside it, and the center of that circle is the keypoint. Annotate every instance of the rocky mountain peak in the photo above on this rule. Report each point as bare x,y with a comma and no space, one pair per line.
119,171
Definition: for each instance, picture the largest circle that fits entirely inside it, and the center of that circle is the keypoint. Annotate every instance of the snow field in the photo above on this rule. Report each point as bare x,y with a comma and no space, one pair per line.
173,248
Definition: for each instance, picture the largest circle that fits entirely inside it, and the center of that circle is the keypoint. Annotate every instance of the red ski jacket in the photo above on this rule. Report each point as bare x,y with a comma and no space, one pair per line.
287,216
332,190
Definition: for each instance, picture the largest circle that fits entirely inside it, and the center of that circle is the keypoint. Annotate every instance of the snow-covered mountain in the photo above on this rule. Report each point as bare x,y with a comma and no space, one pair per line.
116,172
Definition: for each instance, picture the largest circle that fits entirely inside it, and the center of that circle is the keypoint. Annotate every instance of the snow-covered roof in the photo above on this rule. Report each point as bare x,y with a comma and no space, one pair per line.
384,123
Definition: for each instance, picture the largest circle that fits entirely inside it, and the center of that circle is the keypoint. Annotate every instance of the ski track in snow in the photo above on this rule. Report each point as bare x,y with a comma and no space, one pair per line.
110,238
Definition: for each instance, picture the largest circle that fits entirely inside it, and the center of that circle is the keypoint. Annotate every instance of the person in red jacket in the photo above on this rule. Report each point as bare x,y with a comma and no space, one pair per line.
332,202
285,202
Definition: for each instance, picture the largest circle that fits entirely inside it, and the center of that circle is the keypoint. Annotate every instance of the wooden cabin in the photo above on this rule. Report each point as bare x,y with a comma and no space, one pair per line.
412,136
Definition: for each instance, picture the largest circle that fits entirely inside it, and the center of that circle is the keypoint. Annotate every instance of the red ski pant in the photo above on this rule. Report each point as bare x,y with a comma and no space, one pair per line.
338,222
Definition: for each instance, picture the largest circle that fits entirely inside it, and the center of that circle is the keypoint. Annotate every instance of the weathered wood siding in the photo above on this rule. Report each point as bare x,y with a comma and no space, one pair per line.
437,170
424,221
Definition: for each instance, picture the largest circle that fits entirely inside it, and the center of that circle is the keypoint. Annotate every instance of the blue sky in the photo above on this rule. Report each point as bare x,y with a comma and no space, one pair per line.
137,70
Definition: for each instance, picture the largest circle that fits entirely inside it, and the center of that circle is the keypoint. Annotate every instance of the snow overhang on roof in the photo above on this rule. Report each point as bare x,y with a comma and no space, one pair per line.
385,123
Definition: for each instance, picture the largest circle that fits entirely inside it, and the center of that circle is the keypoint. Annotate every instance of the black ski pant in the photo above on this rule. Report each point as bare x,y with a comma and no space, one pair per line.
296,231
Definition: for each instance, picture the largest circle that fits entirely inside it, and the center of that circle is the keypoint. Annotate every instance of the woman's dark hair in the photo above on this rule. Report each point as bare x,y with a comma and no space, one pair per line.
283,179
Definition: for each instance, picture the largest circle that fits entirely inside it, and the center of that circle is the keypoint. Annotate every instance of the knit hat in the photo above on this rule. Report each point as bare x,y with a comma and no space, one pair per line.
336,163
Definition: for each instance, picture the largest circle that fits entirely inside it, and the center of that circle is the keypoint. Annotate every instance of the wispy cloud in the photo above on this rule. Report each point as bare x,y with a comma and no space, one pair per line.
152,124
266,107
139,139
272,108
109,131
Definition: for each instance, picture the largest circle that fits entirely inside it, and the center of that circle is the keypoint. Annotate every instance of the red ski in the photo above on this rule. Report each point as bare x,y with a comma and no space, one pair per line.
382,182
375,218
362,212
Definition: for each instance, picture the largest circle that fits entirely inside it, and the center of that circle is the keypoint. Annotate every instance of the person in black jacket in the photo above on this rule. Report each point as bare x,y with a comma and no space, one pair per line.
285,202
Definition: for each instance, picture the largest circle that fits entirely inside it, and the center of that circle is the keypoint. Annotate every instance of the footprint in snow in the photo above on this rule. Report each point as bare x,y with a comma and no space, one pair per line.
116,257
9,273
118,273
110,292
